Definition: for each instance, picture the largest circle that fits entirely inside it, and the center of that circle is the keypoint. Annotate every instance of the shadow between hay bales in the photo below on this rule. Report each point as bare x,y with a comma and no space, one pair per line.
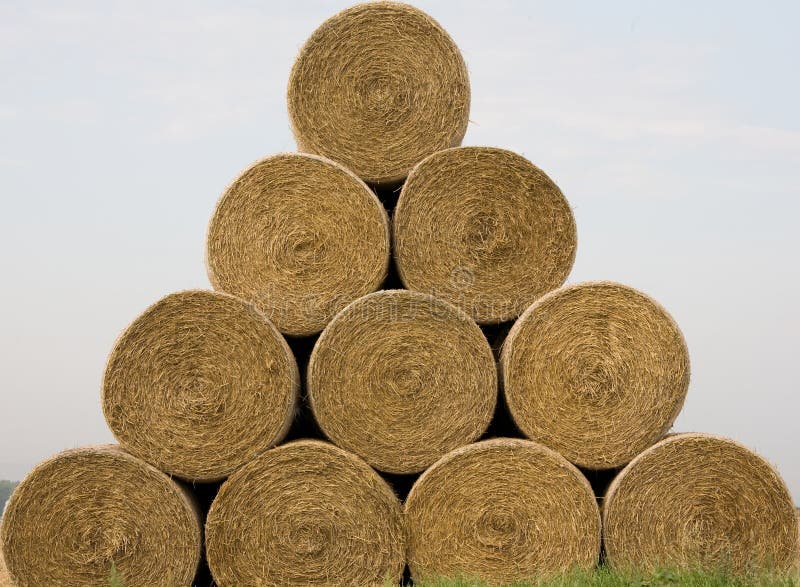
304,424
388,195
392,280
204,493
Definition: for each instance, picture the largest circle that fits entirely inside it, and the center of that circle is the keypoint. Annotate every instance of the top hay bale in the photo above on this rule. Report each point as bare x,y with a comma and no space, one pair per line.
300,237
377,88
696,500
484,229
597,371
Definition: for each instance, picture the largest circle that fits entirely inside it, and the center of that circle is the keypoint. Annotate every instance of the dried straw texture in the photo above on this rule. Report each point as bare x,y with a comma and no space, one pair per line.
400,378
484,229
499,511
5,578
84,510
379,87
696,499
597,371
306,513
200,384
300,237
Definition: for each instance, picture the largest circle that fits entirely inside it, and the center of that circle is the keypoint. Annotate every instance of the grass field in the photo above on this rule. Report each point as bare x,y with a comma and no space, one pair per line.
607,578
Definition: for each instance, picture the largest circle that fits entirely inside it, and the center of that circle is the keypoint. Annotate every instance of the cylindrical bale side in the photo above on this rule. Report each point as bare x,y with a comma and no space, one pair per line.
484,229
300,237
200,384
379,87
597,371
93,513
306,513
501,511
400,378
696,500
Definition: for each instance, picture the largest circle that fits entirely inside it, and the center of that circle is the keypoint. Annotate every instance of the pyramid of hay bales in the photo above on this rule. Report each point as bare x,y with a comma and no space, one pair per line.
389,313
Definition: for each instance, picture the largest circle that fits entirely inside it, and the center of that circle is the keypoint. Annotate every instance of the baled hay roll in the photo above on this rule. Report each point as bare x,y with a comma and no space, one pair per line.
400,378
484,229
699,500
87,511
597,371
306,513
379,87
200,384
500,511
300,237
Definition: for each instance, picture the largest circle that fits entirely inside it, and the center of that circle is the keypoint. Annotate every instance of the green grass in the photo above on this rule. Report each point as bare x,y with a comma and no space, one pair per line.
605,577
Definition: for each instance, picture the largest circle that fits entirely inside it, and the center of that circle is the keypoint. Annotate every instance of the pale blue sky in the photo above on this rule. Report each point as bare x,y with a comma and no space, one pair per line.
672,127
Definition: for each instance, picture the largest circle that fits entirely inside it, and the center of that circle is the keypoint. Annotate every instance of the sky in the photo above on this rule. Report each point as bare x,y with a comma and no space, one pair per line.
672,128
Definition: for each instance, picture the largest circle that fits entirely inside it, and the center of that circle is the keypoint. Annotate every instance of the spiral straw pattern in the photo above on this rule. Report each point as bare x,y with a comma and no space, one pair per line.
400,378
200,384
484,229
300,237
306,513
379,87
700,500
597,371
500,511
88,510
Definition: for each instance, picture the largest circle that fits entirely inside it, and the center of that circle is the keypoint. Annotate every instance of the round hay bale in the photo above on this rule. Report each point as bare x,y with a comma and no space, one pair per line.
305,513
87,511
300,237
400,378
597,371
484,229
379,87
699,500
200,384
500,511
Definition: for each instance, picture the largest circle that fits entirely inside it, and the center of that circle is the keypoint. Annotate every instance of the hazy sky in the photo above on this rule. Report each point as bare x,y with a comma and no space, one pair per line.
672,127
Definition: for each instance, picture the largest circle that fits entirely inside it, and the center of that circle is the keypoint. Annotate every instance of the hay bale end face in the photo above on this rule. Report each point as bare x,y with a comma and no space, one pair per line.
400,378
500,511
84,510
597,371
300,237
306,513
484,229
700,500
200,384
379,87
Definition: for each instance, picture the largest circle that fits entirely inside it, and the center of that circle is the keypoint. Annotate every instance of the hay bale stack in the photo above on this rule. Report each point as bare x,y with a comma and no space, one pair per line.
88,510
597,371
306,513
484,229
697,499
200,384
379,87
400,378
501,511
300,237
